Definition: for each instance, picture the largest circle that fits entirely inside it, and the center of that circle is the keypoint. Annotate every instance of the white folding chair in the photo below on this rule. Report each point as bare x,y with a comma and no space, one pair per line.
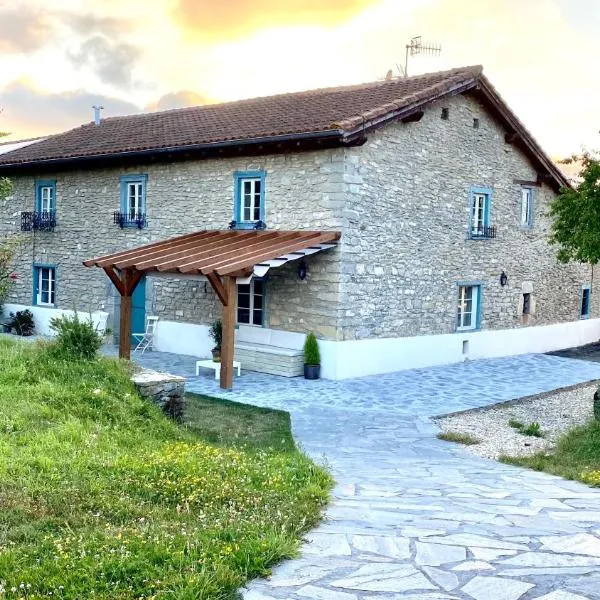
145,340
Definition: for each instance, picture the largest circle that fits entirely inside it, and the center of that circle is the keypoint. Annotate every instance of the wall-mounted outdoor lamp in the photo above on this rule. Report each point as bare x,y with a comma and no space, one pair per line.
302,270
503,279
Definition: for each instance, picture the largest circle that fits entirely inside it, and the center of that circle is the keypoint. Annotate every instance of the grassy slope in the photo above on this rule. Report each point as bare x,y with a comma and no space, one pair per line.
577,456
104,498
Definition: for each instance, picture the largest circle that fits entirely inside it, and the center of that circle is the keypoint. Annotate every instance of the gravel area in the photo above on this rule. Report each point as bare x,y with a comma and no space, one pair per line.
555,412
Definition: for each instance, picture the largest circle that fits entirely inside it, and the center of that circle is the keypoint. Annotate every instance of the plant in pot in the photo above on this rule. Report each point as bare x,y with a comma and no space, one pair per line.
216,333
22,322
312,357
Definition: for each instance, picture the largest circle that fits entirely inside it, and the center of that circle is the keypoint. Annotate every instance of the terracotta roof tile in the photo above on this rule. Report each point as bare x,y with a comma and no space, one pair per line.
322,110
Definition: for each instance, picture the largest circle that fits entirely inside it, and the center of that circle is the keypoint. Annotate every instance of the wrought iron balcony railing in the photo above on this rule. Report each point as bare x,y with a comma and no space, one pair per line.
483,232
130,220
38,221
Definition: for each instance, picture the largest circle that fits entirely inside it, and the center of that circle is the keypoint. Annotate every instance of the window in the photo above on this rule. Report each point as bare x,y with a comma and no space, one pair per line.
585,304
445,114
475,123
133,200
479,218
251,303
45,196
44,285
526,304
468,315
526,207
249,198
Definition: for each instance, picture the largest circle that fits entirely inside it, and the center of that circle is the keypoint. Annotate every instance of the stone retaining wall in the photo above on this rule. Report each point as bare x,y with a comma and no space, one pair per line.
165,390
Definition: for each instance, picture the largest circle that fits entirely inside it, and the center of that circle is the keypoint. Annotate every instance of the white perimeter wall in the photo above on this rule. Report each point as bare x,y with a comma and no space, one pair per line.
42,317
341,360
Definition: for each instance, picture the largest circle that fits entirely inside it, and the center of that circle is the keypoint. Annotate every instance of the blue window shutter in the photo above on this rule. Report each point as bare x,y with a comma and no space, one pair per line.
124,205
531,207
487,209
238,177
43,183
34,292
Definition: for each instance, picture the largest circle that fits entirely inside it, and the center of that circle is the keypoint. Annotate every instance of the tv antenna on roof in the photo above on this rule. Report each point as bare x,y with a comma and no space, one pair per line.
415,47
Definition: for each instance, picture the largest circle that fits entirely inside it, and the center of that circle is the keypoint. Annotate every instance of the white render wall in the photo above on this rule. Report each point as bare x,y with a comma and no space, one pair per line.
42,317
358,358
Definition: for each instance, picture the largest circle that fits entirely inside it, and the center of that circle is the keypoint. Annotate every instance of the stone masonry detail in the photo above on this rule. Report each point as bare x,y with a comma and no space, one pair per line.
303,191
405,245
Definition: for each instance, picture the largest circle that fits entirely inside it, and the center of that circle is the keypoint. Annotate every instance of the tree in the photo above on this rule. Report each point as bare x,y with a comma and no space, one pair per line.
576,215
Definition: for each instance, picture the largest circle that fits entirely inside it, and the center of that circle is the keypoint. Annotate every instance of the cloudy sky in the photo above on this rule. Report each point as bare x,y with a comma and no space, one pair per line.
59,58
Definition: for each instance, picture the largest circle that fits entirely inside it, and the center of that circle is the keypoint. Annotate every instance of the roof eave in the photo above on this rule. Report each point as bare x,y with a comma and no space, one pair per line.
333,136
402,112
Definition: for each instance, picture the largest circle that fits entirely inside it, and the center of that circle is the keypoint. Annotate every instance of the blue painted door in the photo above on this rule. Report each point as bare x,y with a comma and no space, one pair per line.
138,309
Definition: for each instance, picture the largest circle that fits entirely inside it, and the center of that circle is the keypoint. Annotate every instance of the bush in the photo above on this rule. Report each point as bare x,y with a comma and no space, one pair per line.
76,338
312,356
22,322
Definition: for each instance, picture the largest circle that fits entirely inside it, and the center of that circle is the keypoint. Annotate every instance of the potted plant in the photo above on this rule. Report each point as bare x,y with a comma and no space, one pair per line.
312,357
22,322
216,333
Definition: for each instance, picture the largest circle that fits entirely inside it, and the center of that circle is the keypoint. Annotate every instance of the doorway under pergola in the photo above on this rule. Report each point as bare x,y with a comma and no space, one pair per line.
224,258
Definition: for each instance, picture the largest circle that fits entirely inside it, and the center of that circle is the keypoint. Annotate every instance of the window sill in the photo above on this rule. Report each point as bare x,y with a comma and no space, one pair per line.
258,225
470,330
584,317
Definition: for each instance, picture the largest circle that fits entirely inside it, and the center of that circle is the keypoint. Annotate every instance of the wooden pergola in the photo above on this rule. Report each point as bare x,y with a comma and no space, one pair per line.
223,257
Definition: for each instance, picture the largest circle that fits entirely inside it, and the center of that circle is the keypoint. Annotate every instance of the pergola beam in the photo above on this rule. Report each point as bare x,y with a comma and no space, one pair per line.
217,285
228,341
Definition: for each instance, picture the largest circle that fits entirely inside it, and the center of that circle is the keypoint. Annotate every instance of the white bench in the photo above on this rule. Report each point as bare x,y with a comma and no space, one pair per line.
216,366
264,358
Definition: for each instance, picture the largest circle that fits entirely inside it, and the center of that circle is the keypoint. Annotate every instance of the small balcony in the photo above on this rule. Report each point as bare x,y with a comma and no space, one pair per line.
483,232
130,219
38,221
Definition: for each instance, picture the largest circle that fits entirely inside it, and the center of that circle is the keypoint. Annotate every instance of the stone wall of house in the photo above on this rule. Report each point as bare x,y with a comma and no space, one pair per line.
401,201
303,190
405,245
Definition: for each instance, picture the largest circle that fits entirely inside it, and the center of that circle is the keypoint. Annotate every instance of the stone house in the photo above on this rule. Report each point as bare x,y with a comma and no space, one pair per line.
437,190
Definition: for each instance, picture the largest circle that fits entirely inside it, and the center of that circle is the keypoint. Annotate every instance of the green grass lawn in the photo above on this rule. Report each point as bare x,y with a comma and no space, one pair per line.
102,497
227,423
576,456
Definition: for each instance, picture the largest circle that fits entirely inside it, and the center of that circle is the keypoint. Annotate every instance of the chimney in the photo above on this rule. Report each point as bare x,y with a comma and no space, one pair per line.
97,110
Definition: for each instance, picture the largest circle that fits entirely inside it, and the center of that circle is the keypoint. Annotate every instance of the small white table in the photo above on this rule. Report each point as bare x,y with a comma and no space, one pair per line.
216,366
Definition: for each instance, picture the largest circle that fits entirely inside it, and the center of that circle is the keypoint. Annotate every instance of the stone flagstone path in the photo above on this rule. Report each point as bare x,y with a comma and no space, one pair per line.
417,518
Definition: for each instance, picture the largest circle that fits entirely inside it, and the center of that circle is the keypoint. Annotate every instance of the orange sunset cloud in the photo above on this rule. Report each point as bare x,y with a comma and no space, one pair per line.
231,18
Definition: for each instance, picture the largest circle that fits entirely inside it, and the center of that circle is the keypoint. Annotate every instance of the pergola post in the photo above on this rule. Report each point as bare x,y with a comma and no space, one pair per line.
125,281
228,341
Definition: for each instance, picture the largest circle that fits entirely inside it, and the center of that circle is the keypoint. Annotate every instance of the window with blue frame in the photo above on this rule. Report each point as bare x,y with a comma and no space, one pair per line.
479,213
585,302
249,199
469,307
44,285
45,196
527,207
133,201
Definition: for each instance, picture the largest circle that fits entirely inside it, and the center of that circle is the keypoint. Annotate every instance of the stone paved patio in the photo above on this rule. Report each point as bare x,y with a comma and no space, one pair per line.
417,518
